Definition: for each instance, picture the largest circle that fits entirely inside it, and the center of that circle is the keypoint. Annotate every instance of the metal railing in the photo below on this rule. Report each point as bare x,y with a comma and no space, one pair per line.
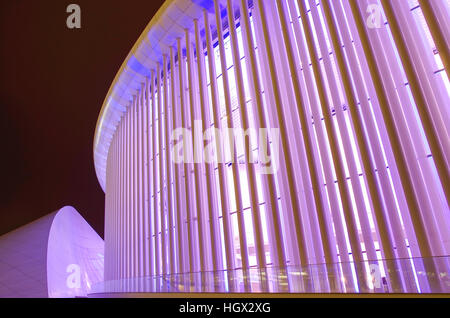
415,275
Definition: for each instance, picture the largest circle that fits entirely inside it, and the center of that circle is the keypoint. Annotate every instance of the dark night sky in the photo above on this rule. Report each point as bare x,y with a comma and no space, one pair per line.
53,81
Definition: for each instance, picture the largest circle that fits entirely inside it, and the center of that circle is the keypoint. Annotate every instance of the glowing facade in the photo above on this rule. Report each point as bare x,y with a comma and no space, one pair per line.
357,95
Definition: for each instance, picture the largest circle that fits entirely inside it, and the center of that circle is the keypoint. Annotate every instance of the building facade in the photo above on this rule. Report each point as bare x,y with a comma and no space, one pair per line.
286,145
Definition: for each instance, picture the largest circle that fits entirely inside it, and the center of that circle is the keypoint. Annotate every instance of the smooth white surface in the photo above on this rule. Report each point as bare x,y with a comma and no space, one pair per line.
34,258
23,260
73,245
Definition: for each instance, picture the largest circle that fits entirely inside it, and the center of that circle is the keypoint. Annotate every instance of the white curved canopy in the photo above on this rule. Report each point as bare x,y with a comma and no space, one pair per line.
168,24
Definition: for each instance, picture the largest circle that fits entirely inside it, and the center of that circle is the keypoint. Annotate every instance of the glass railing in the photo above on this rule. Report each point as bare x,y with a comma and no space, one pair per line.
415,275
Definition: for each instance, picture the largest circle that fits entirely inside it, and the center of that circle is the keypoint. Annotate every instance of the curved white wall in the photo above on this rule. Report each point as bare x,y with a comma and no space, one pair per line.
74,255
58,255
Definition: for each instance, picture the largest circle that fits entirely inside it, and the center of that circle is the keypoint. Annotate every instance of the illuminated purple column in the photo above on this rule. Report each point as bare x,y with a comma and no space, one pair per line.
123,195
141,201
129,195
149,180
168,168
162,196
189,244
196,166
243,246
155,211
216,252
178,250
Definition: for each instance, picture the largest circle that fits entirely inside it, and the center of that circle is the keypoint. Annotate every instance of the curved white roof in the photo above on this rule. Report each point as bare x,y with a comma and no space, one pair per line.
168,24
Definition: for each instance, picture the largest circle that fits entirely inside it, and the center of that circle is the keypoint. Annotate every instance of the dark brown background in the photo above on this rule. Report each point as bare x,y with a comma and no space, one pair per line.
52,84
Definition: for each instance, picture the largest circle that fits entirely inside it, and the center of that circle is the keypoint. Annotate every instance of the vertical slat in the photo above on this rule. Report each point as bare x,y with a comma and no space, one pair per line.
111,211
118,207
130,194
134,213
150,246
107,275
125,199
161,173
106,226
139,176
177,181
117,185
168,169
119,190
155,179
123,193
124,190
210,180
187,174
113,207
225,205
116,195
119,204
144,183
120,201
198,198
119,198
232,145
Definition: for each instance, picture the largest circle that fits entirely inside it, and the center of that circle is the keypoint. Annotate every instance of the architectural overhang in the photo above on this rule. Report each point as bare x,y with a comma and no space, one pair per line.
168,24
